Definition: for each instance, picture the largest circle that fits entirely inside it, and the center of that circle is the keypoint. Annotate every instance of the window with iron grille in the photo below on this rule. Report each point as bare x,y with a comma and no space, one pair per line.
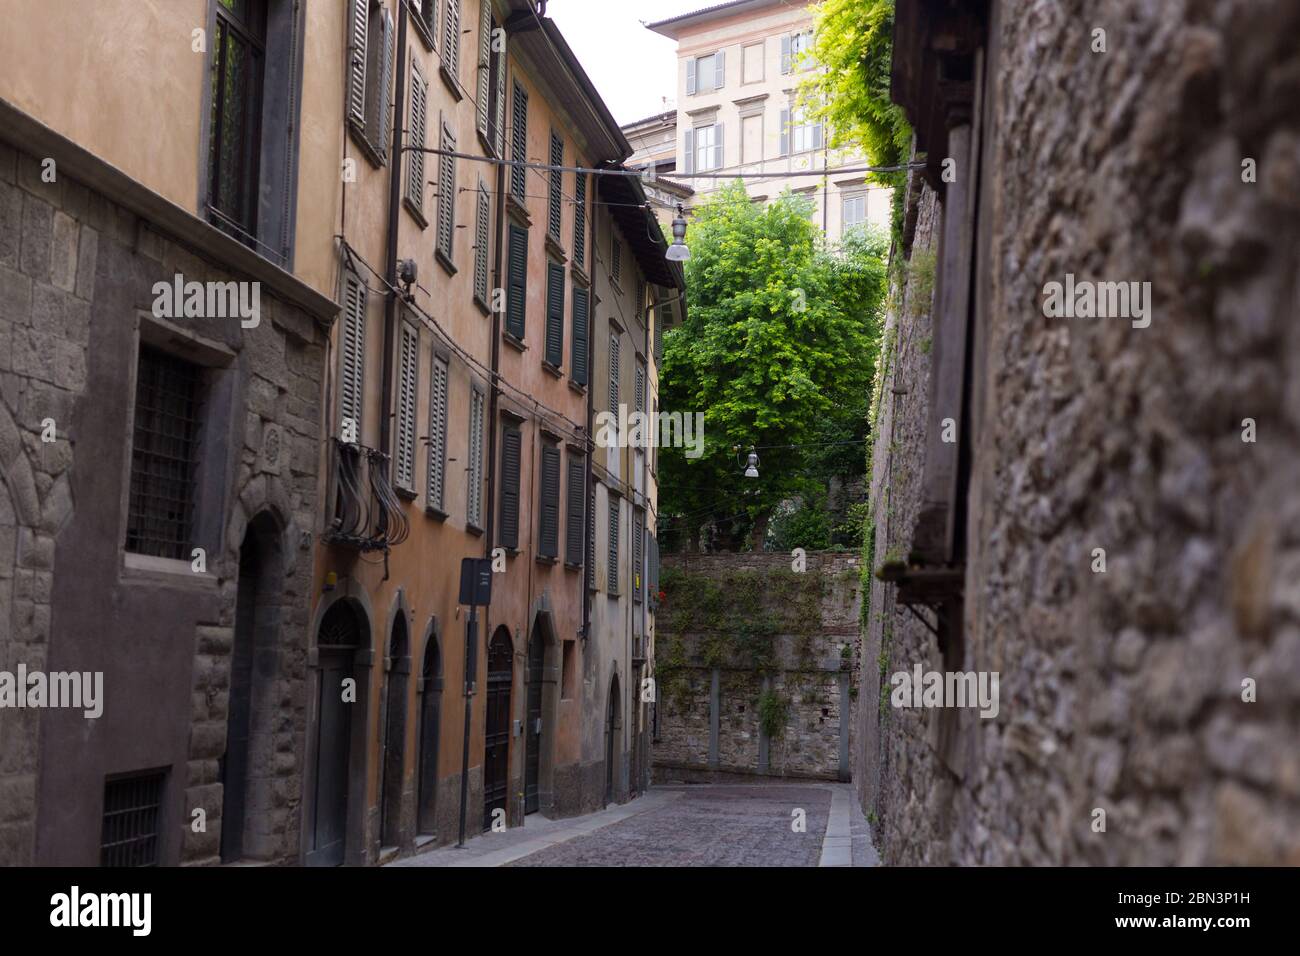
438,434
573,517
474,509
132,818
482,231
612,576
555,189
238,64
415,157
168,394
580,221
519,144
446,196
408,371
548,507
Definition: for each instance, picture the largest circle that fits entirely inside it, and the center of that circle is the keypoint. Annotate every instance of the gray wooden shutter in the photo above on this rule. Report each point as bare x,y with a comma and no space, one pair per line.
691,76
639,393
353,347
591,539
581,313
613,376
474,508
574,516
359,17
637,533
415,161
549,507
554,314
785,132
689,158
519,143
720,69
817,135
451,39
718,153
517,284
499,108
383,102
612,575
616,259
787,54
580,220
482,89
482,226
437,435
407,385
447,194
510,448
555,189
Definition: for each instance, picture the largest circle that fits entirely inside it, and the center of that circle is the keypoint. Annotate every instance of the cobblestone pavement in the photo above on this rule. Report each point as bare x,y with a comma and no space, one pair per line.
710,825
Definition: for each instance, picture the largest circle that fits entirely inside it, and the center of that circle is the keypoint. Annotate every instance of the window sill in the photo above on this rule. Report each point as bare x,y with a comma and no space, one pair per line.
406,494
514,342
482,306
570,566
555,249
422,28
437,514
552,369
474,529
578,387
547,559
516,208
415,212
449,80
376,156
489,148
579,275
445,261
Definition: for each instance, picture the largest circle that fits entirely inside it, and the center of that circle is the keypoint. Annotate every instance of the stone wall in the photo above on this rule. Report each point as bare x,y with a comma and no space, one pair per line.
1122,690
736,630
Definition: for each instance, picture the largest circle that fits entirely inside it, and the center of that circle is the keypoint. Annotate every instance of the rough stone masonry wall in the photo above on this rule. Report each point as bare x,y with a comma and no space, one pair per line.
810,653
1123,690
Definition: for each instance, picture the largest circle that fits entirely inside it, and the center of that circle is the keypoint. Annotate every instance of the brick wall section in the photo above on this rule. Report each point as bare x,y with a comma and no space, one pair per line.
807,674
1121,690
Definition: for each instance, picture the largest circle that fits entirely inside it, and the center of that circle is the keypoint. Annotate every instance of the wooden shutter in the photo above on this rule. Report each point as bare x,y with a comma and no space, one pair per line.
640,298
580,221
517,285
638,531
482,226
690,151
510,448
574,517
719,69
612,575
555,189
613,376
383,103
407,384
451,39
581,312
352,345
639,394
447,194
359,17
548,545
616,257
717,145
519,143
499,108
787,54
691,76
554,314
437,435
415,164
591,539
482,90
785,132
474,507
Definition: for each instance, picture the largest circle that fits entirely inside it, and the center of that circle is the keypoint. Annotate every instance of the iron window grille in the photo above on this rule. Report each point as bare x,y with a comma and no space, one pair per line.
163,455
130,834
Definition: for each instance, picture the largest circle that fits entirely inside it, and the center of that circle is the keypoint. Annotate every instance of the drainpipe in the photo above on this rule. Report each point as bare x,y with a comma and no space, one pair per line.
588,508
390,253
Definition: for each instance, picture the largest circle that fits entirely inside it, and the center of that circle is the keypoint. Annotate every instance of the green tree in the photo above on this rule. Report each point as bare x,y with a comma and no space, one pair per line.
778,348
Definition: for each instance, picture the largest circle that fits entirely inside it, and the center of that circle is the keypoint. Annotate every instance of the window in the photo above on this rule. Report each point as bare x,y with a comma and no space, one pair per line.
408,372
611,583
163,455
483,70
451,43
555,189
446,198
799,133
573,517
130,832
752,63
704,148
370,76
497,90
855,211
511,444
519,145
482,231
613,377
638,536
640,300
554,314
578,364
580,221
591,539
792,45
426,18
704,74
616,260
474,508
548,507
436,494
352,357
638,395
517,281
415,156
238,62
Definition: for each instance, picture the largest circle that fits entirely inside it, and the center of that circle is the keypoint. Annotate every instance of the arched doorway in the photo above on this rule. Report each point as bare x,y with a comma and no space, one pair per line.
534,723
394,763
496,743
430,725
613,741
342,631
248,765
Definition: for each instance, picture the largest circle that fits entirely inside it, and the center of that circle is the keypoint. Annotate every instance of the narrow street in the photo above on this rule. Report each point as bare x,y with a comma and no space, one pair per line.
686,825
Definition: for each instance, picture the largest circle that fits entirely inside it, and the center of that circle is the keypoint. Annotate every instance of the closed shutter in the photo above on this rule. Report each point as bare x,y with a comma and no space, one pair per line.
519,144
817,136
383,102
652,570
415,164
613,376
407,384
691,74
720,69
591,539
474,507
690,151
581,309
555,207
482,214
447,194
616,259
510,447
612,555
554,314
640,300
580,221
438,435
549,507
517,286
482,89
573,517
787,59
451,40
785,132
353,349
358,16
718,153
499,92
640,388
661,317
637,534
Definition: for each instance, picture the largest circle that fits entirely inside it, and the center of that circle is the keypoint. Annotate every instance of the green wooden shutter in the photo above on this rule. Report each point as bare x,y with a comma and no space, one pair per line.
581,354
580,221
511,444
555,206
554,314
519,144
517,286
574,517
549,506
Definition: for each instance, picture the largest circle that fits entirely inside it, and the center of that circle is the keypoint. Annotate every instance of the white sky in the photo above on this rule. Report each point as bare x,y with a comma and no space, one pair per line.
632,68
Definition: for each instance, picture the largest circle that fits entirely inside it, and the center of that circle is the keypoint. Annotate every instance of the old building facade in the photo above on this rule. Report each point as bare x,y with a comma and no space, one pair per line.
1106,532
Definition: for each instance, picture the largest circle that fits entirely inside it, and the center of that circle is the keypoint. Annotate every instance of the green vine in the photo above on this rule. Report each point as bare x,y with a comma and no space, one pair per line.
773,711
